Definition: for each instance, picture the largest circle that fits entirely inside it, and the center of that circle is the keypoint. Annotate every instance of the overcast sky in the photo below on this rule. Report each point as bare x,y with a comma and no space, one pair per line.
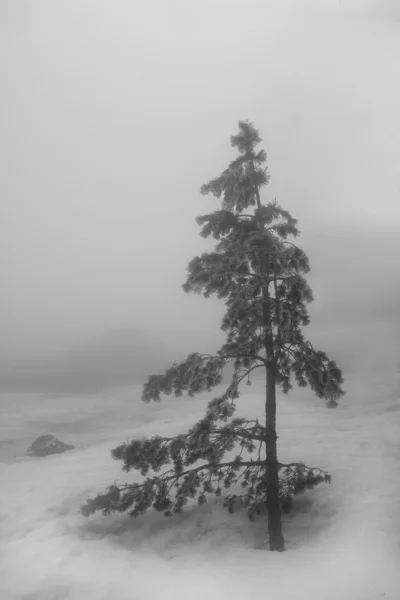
112,115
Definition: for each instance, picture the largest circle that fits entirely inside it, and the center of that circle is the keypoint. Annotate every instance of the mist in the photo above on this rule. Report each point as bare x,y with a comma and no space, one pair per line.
113,114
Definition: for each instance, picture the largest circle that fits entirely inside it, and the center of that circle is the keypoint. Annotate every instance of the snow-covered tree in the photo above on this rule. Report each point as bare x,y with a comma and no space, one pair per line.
260,276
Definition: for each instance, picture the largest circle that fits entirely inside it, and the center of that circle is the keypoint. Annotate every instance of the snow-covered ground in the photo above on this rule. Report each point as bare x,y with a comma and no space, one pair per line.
343,539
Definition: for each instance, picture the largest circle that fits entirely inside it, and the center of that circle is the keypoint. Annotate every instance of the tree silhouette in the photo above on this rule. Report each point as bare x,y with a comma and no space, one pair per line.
260,276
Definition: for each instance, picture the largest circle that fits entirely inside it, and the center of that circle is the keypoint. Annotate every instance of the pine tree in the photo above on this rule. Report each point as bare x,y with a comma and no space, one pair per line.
260,276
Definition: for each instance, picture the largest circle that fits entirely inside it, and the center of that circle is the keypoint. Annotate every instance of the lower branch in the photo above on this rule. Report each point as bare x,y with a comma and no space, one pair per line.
170,491
154,491
296,478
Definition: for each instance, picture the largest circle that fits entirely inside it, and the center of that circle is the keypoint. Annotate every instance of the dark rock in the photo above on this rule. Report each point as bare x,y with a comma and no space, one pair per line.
48,444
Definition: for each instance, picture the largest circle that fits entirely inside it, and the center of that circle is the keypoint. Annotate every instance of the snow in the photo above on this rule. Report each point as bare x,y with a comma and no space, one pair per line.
343,539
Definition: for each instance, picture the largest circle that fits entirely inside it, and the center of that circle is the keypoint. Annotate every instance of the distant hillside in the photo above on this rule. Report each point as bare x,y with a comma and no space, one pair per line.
116,359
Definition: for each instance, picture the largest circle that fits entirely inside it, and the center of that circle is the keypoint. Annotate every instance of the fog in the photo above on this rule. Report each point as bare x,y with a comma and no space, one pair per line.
112,116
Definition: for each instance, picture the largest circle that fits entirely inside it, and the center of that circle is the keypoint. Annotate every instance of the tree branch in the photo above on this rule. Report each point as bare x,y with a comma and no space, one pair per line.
254,356
233,463
239,434
300,465
248,372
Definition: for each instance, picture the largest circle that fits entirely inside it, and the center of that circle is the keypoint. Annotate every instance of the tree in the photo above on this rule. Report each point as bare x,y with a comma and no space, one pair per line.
260,276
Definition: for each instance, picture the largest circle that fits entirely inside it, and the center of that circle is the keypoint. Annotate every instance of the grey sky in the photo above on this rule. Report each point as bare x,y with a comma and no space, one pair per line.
112,115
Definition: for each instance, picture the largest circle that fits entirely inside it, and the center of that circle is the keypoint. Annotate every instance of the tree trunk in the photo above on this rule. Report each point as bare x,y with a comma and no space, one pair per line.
276,541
